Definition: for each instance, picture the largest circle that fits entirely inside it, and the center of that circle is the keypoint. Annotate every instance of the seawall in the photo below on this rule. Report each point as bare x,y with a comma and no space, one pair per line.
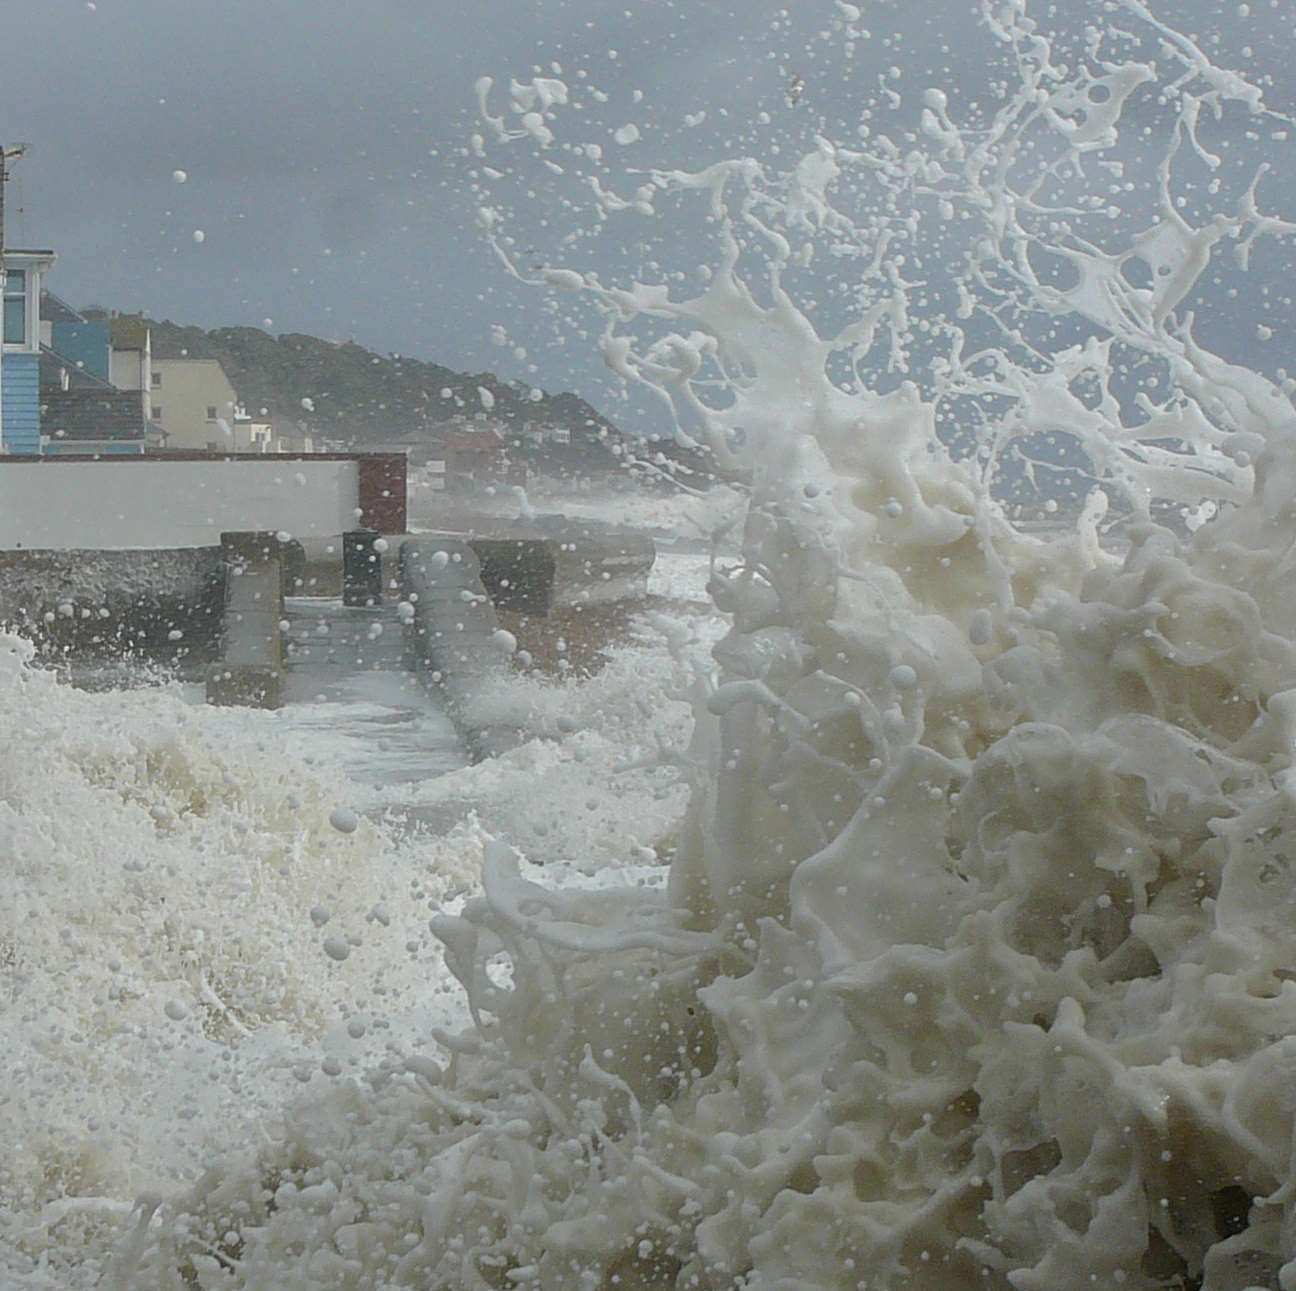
163,605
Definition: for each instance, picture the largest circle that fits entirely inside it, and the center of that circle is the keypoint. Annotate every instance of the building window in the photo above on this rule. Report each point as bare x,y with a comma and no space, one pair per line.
157,412
15,307
157,379
211,412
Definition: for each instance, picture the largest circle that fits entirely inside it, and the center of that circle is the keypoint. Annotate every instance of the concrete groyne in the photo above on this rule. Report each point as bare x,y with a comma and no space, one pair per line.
552,572
455,640
469,601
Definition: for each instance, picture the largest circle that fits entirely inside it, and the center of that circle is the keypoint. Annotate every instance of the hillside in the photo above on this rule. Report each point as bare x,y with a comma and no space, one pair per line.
359,397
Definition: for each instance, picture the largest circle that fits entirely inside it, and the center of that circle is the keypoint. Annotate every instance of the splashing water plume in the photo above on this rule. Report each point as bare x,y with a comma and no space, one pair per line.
976,964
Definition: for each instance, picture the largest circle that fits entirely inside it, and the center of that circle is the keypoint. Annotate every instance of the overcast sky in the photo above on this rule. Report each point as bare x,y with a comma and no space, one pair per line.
323,142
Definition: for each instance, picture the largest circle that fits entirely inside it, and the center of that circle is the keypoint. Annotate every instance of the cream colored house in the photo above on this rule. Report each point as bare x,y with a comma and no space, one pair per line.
130,361
195,405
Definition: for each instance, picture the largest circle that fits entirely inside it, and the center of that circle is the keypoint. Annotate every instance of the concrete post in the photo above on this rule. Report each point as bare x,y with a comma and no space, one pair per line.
250,672
292,565
362,571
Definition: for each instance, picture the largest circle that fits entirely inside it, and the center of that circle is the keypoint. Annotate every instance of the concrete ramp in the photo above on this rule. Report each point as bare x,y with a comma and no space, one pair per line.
347,678
327,642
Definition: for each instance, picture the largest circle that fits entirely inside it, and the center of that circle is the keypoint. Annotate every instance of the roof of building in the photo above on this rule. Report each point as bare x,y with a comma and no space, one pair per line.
93,414
484,440
129,333
54,309
53,365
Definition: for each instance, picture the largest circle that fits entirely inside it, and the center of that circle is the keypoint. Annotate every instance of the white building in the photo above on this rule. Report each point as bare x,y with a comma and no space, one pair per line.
195,405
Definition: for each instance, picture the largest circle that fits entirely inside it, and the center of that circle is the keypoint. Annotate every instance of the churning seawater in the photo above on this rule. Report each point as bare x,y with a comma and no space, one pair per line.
974,964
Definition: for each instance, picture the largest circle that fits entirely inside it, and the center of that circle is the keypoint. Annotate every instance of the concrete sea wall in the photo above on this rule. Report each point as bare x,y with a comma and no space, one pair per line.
553,563
52,503
162,605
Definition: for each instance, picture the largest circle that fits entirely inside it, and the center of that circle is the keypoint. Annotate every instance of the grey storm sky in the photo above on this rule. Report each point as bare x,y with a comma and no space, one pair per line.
324,143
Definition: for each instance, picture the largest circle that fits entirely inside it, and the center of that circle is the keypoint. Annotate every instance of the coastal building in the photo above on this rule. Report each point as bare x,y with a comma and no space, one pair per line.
20,430
253,434
81,411
84,342
194,405
56,389
478,458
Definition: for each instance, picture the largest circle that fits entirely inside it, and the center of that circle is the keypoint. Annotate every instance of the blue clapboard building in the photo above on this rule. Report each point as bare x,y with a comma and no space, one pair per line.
56,391
20,378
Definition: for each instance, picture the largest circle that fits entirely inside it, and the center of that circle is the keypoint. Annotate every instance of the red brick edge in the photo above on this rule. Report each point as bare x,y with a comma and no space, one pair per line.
382,491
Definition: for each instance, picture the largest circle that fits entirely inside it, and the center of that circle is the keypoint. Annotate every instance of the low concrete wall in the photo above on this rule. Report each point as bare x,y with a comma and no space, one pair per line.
157,605
552,563
598,564
61,503
452,635
518,572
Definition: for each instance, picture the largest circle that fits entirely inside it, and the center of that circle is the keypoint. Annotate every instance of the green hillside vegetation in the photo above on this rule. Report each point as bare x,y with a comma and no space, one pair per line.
356,398
360,396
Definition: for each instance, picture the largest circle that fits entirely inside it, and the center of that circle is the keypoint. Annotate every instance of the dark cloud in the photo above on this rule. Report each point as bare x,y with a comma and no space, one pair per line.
324,142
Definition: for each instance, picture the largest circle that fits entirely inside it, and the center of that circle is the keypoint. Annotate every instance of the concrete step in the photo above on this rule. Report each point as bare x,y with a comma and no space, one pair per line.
341,627
350,642
345,663
357,688
309,682
389,646
308,609
327,637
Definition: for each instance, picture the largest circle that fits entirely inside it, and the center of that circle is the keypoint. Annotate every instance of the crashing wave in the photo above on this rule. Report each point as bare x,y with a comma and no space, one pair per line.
975,967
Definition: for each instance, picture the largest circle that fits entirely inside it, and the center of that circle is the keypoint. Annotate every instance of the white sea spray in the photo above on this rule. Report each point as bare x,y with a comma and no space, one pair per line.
162,986
188,944
975,965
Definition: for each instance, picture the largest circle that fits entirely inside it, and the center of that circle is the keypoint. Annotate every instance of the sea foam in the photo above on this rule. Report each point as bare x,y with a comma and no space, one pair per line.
975,965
